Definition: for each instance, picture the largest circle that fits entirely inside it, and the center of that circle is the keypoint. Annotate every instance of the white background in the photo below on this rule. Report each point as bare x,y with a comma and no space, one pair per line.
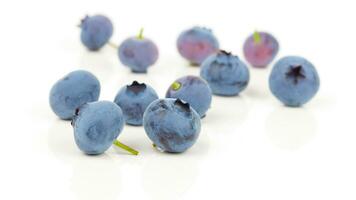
251,147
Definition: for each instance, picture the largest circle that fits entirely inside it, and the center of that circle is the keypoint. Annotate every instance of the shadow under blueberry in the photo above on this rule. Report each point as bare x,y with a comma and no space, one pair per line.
225,114
170,175
290,128
92,175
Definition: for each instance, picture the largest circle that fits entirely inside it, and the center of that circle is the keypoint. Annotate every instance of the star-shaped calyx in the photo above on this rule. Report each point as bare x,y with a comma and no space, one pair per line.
182,105
136,87
296,73
225,52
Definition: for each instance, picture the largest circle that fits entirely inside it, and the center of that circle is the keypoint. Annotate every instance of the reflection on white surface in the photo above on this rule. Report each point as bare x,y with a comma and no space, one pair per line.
169,176
96,177
224,112
93,177
258,85
290,128
103,64
61,141
164,175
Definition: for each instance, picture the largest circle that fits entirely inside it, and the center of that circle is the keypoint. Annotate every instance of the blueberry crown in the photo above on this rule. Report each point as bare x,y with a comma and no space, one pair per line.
225,58
82,21
296,73
136,87
225,52
182,105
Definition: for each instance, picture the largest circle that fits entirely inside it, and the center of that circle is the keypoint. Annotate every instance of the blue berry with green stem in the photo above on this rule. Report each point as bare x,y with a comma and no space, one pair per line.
96,126
138,53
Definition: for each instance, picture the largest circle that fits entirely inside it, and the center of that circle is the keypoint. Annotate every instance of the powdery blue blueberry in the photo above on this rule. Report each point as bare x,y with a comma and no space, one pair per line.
133,100
196,44
76,88
96,31
294,81
260,49
225,73
96,125
172,125
138,53
194,90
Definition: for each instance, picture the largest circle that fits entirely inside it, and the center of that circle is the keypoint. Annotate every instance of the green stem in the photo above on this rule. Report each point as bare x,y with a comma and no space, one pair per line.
125,147
256,37
140,35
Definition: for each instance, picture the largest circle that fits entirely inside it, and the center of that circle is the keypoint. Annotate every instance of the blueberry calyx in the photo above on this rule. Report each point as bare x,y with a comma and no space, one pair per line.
82,21
136,87
182,105
76,111
295,73
176,85
225,52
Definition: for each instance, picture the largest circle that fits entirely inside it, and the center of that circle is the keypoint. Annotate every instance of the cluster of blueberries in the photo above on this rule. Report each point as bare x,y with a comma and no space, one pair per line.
173,123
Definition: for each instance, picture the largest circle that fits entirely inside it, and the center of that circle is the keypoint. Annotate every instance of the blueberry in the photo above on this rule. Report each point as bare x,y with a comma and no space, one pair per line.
138,53
194,90
133,100
70,92
294,81
172,125
96,31
97,125
260,49
196,44
226,74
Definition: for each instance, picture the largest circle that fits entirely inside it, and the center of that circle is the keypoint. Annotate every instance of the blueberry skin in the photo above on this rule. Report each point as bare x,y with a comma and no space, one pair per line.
73,90
96,125
172,125
194,90
96,31
133,100
138,54
294,81
196,44
261,54
225,73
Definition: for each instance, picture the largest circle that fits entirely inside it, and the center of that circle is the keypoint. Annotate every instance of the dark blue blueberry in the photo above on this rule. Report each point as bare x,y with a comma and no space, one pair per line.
172,125
294,81
133,100
194,90
225,73
96,125
76,88
96,31
138,53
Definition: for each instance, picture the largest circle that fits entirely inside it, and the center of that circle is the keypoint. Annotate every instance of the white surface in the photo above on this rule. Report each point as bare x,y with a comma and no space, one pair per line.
251,147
